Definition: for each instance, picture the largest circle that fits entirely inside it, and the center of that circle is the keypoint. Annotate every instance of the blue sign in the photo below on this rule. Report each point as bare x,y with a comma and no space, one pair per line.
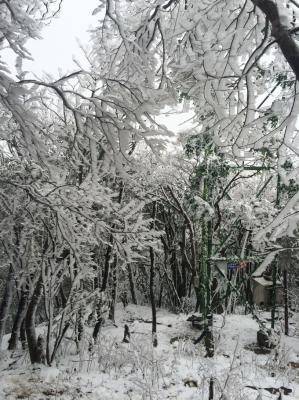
231,265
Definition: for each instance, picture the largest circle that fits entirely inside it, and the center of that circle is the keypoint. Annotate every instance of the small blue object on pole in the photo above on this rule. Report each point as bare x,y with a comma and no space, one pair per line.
231,265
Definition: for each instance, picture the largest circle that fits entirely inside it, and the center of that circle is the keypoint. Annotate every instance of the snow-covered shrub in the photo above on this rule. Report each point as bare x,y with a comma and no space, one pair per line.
185,347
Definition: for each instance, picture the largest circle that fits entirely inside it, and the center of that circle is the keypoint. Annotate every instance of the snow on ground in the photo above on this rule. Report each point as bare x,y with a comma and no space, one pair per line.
137,371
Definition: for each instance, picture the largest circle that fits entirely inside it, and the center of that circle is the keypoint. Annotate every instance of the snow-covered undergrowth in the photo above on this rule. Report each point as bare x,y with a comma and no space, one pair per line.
176,369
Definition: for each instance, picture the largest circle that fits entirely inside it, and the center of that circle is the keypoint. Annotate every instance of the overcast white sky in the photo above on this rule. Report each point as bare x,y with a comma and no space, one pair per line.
54,53
60,39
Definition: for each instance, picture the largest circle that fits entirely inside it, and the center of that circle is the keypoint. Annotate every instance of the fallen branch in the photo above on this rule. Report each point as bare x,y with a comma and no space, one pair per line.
272,390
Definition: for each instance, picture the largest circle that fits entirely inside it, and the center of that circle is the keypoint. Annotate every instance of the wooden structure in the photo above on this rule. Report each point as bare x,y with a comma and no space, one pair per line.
262,287
262,292
261,279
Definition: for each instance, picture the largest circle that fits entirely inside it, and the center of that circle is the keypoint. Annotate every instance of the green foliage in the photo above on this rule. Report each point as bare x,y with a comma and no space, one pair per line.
284,80
266,153
183,96
287,165
288,190
273,120
210,163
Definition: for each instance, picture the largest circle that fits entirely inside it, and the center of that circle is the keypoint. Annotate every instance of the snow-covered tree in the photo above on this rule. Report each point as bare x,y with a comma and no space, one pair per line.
235,61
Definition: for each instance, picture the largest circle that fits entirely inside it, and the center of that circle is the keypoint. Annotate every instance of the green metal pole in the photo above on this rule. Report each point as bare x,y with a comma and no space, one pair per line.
274,274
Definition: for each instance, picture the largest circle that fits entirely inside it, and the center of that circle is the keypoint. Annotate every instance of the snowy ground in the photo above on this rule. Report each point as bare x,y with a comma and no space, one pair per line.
115,370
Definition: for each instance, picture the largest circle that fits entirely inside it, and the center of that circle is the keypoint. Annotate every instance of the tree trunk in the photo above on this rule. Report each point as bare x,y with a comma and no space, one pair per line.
184,285
6,302
185,265
110,245
23,335
19,318
107,265
249,295
62,332
80,326
152,293
211,389
274,272
103,289
35,350
114,290
132,284
106,275
161,294
280,32
152,298
176,276
286,302
209,266
62,297
206,272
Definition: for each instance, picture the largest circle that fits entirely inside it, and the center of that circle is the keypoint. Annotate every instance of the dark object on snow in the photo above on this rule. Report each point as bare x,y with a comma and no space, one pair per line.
264,339
51,392
281,389
126,338
207,334
100,322
145,321
197,321
190,382
257,350
209,342
198,340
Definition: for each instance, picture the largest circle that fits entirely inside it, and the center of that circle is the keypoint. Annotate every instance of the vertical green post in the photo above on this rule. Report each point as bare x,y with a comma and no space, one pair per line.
274,274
